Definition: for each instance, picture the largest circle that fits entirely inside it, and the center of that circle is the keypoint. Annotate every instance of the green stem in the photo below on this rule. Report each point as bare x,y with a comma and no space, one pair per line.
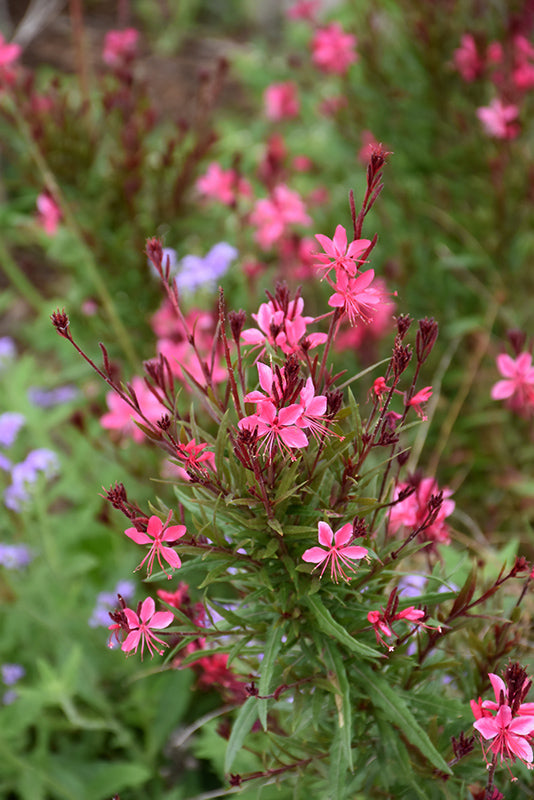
70,221
16,276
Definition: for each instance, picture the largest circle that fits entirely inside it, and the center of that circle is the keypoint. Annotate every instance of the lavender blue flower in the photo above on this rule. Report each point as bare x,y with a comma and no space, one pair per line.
172,255
8,351
10,424
411,585
11,673
196,271
5,463
106,602
48,398
17,495
9,697
14,556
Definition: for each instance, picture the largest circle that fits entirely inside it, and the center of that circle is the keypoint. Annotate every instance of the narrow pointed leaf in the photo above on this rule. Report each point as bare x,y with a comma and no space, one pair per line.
244,721
272,648
328,625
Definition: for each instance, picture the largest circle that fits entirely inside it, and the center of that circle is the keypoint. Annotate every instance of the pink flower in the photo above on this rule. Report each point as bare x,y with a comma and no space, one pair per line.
120,47
420,397
412,511
9,52
518,387
313,415
303,9
333,50
467,60
368,145
157,533
222,185
49,213
498,119
121,416
282,325
362,336
281,101
501,692
355,296
511,736
141,626
382,620
272,216
278,427
338,552
337,255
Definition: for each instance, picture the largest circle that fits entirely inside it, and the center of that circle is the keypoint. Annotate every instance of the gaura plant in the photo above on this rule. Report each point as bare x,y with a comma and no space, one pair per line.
320,588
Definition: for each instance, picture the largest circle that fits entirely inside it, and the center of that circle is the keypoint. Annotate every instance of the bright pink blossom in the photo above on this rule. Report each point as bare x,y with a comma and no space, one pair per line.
511,736
282,327
362,336
120,47
121,415
333,50
222,185
313,417
517,388
278,428
142,625
501,693
355,296
156,535
413,510
467,60
338,552
499,120
49,213
420,397
382,620
281,101
337,255
272,216
9,52
303,9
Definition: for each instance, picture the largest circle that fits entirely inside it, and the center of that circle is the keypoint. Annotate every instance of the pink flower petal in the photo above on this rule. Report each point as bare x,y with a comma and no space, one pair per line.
315,555
326,535
138,536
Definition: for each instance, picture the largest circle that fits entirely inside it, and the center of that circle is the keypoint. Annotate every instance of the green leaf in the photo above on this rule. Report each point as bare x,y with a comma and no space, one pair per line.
272,648
392,703
246,717
329,626
343,704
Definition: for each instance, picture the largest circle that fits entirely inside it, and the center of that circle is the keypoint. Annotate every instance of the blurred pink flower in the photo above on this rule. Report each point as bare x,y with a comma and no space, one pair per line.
467,60
142,625
369,142
338,553
121,416
194,457
498,119
333,50
272,216
303,9
281,101
120,47
48,213
413,510
223,185
157,533
9,52
517,388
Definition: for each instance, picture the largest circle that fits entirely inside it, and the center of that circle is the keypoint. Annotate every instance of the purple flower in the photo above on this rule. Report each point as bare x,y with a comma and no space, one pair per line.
10,424
5,463
172,255
16,496
411,585
11,673
8,351
196,271
14,556
106,602
9,697
48,398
